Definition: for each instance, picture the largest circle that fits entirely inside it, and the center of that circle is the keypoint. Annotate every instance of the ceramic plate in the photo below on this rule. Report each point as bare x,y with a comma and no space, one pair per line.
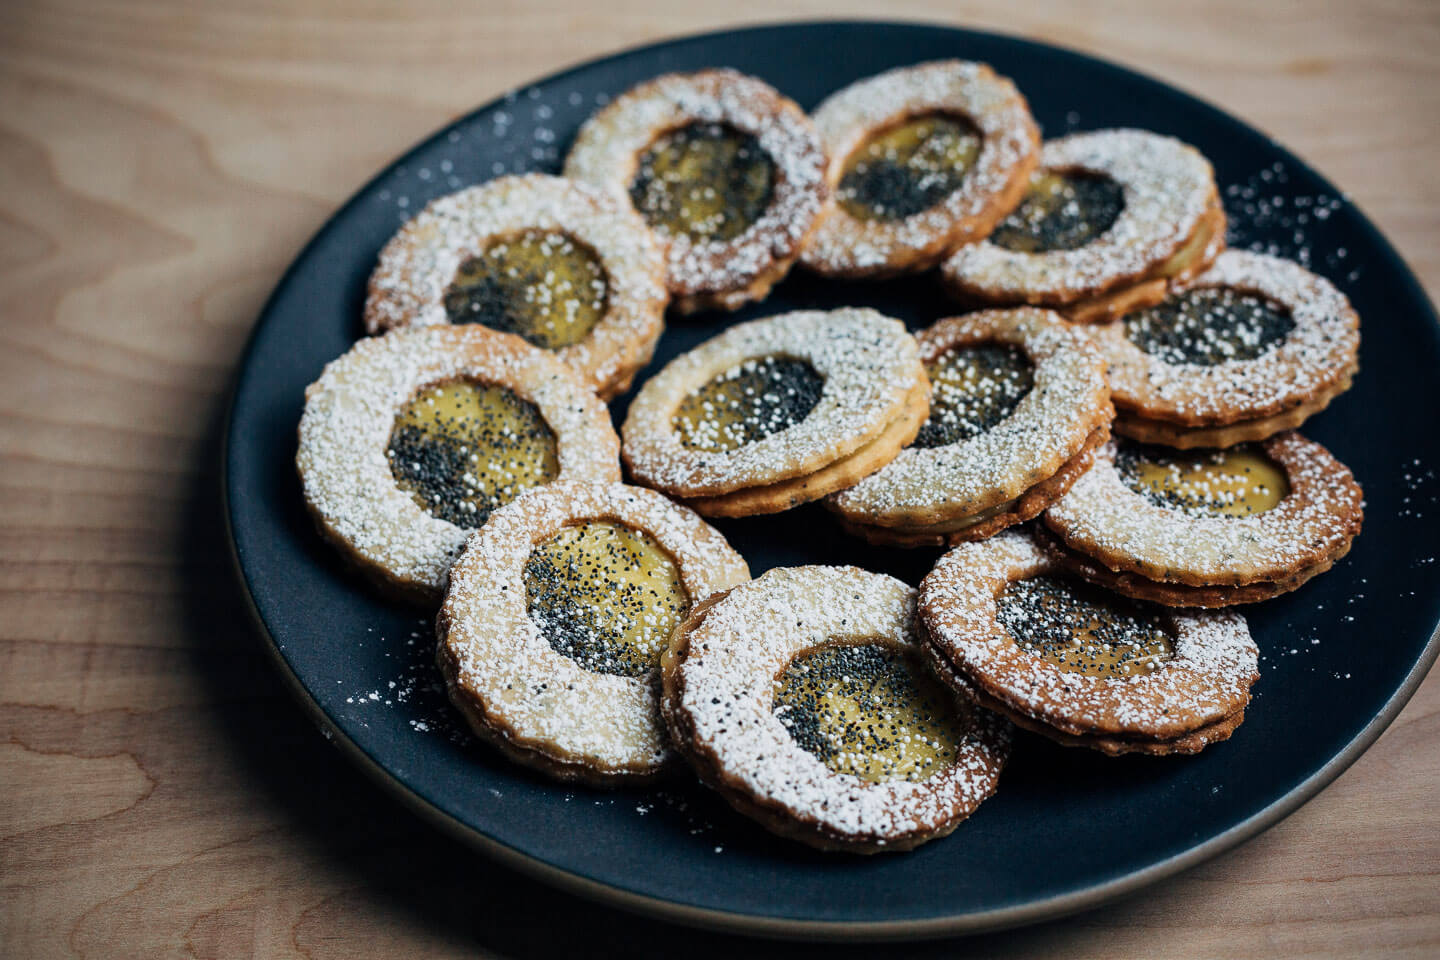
1068,828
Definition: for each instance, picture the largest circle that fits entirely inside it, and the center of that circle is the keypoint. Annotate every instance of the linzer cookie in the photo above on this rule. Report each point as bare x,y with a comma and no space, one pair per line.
1018,404
1079,666
1252,347
729,173
1207,528
802,697
555,619
1108,218
410,440
558,263
922,159
777,412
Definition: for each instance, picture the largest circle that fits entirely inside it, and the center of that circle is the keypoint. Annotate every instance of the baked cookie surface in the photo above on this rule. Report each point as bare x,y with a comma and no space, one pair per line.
1208,528
1018,404
1253,346
728,172
553,261
1107,219
803,699
922,159
410,440
1077,665
555,619
776,412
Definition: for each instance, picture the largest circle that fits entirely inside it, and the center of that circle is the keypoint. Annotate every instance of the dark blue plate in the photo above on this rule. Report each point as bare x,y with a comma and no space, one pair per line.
1068,828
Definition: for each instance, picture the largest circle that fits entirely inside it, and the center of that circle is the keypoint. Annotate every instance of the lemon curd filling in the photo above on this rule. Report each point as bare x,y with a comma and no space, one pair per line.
908,168
972,389
748,402
1205,326
542,285
1061,211
868,710
462,449
705,181
1082,630
1236,482
605,595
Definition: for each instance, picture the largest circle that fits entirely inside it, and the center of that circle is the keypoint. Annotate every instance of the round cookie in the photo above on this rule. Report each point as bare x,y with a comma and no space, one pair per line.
554,261
1253,346
803,699
1018,405
777,412
1078,666
410,440
1208,528
922,159
728,172
555,619
1109,217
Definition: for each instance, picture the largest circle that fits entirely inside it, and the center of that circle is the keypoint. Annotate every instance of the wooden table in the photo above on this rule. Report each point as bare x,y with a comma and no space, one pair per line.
162,162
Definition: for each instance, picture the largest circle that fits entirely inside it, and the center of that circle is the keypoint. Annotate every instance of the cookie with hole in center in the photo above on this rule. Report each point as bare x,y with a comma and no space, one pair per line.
557,613
411,440
1018,405
777,412
1252,347
1207,528
803,699
1078,665
922,159
728,172
555,262
1107,220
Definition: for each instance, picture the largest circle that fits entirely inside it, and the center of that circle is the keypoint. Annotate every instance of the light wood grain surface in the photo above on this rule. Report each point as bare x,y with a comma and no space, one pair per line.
161,163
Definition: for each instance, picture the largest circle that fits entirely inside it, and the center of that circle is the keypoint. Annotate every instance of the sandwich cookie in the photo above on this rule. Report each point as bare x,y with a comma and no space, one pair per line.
1253,346
1207,528
803,698
555,262
411,440
729,173
777,412
1018,405
1108,218
922,160
1081,667
557,613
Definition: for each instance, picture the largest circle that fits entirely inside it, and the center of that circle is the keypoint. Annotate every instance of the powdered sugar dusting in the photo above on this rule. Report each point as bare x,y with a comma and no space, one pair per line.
1262,205
410,683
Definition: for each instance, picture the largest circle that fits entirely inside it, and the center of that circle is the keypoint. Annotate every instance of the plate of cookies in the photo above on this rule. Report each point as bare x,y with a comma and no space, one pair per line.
845,480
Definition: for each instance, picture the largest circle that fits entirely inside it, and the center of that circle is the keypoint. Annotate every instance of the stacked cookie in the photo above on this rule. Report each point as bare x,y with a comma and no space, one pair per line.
1104,443
778,412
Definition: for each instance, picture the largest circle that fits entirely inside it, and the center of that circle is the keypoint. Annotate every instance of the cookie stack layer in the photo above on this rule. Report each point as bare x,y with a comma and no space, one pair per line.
802,699
1083,671
1207,528
1019,404
780,411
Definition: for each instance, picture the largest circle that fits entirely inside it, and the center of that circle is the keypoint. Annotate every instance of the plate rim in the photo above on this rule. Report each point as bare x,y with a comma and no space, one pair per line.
727,921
